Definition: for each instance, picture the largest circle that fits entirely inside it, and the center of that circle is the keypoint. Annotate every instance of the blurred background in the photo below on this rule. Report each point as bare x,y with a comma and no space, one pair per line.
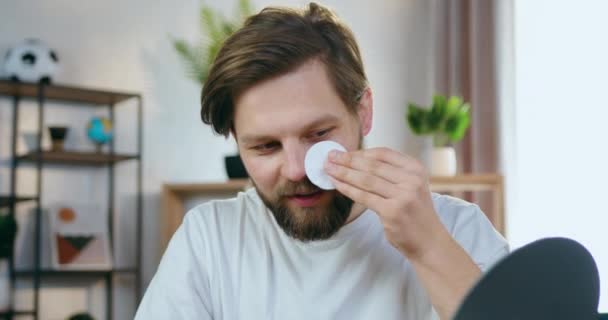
532,72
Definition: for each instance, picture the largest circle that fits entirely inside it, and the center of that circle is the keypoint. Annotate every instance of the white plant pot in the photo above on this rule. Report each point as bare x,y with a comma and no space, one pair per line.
5,289
443,161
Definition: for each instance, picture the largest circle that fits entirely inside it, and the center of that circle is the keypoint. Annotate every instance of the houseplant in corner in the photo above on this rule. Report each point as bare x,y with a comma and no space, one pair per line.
215,28
199,57
8,231
447,121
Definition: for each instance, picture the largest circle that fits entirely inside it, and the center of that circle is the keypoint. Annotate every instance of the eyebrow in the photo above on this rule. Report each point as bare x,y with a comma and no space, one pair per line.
247,139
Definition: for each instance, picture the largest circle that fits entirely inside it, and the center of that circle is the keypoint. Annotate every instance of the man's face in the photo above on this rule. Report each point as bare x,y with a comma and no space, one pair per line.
275,123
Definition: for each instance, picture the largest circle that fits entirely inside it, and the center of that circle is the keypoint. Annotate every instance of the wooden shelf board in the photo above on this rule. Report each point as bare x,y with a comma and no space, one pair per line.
482,182
76,273
76,157
447,183
64,93
6,201
233,185
10,313
468,179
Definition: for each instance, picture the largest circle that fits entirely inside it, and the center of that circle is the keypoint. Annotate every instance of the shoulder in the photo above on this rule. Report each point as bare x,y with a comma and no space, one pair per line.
455,212
218,222
472,229
225,210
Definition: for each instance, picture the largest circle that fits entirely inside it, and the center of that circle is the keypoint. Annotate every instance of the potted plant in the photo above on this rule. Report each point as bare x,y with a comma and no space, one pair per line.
8,231
447,121
215,28
199,57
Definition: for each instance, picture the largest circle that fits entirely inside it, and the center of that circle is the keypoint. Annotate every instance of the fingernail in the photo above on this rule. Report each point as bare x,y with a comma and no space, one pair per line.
334,154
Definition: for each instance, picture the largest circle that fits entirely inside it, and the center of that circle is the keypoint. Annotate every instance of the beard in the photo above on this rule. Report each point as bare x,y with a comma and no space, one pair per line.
307,223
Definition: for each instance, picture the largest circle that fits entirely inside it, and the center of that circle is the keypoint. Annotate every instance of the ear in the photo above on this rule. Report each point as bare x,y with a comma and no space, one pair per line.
366,111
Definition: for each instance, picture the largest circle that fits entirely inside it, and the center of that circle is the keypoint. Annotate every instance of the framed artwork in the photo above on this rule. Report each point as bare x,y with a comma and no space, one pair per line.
79,238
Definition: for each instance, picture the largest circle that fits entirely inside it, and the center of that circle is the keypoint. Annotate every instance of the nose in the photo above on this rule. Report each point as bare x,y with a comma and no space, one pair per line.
293,163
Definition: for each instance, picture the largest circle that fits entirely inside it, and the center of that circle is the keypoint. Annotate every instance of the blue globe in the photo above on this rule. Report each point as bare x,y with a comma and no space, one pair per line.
99,130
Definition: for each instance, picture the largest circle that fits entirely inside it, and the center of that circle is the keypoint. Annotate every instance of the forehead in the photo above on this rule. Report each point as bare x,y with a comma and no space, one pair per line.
288,103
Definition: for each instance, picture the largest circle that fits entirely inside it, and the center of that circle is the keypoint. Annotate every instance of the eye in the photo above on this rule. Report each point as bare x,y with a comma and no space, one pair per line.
265,148
321,134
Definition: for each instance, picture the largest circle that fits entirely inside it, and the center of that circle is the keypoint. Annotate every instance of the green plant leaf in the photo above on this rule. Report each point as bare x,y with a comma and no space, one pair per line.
210,23
192,59
453,105
415,119
213,49
228,28
438,100
437,114
215,29
446,119
245,9
457,124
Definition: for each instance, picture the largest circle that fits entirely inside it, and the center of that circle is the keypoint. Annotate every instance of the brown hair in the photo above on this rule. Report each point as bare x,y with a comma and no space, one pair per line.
275,42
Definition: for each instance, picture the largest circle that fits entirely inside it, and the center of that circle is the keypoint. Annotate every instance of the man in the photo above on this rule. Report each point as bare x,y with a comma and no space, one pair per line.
380,246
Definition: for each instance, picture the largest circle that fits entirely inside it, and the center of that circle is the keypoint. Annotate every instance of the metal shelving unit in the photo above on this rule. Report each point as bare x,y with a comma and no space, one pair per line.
75,96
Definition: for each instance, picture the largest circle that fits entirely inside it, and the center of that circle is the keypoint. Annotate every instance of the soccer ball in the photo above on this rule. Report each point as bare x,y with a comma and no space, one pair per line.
31,61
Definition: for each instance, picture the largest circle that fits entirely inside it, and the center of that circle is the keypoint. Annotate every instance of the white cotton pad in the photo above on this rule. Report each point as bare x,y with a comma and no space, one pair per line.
315,161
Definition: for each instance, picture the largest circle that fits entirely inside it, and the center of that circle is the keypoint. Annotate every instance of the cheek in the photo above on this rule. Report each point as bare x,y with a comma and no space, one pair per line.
349,138
263,171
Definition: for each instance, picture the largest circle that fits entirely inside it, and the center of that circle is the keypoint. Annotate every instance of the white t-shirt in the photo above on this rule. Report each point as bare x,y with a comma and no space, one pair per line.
230,260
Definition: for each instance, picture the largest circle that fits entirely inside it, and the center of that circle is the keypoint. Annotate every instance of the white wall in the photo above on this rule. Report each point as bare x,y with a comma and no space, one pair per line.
561,62
124,45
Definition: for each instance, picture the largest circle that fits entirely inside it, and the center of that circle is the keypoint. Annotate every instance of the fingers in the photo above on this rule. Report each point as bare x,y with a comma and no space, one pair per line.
378,173
358,161
394,158
381,171
362,180
367,199
383,162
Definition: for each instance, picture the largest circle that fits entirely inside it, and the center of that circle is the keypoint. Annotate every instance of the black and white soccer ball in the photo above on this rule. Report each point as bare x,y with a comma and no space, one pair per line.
31,61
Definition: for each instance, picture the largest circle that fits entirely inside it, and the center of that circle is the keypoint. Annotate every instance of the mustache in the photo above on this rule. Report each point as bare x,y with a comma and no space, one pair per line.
301,187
